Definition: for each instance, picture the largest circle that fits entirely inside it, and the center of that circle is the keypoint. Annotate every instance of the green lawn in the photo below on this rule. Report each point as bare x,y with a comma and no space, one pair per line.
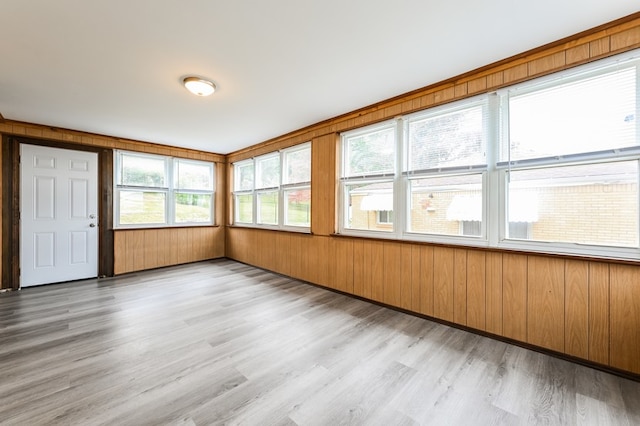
298,213
149,207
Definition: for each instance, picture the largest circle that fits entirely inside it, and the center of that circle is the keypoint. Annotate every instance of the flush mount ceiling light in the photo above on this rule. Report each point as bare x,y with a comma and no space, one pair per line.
199,86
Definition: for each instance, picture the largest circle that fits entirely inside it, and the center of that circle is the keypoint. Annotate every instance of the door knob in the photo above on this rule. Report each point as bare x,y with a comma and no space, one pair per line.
93,225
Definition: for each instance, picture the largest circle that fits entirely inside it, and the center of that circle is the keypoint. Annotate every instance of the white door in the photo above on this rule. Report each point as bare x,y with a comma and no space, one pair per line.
58,212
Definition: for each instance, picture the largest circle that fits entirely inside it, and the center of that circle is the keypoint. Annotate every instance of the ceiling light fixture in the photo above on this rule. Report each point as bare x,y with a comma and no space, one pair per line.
199,86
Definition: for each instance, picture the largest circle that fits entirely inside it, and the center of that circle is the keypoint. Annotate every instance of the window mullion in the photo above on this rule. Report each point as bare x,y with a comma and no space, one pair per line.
280,197
399,202
492,188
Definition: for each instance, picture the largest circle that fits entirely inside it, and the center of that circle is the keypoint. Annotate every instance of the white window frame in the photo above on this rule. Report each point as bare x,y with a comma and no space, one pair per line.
282,188
494,172
360,179
379,216
170,189
401,178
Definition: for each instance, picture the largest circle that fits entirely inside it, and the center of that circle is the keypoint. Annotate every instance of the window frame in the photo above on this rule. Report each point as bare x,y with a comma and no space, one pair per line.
346,181
495,173
402,177
281,189
170,190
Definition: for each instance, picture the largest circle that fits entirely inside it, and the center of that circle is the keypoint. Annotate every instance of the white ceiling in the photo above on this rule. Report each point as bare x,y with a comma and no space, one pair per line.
115,67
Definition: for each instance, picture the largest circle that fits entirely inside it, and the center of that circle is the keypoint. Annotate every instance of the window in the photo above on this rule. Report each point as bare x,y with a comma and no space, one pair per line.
549,165
368,173
444,169
154,190
429,166
385,217
570,159
471,227
274,190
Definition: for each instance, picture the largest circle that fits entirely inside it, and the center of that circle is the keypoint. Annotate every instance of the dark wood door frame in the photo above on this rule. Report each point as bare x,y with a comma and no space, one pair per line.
11,206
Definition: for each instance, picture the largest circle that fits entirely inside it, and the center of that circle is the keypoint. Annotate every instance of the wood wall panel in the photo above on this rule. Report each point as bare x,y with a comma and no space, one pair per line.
164,241
376,266
119,253
476,289
577,308
599,308
150,249
406,276
545,302
343,249
443,275
319,264
417,278
282,250
358,268
323,184
393,265
494,293
514,296
625,317
366,270
136,249
460,286
298,260
185,243
426,281
271,253
140,249
625,39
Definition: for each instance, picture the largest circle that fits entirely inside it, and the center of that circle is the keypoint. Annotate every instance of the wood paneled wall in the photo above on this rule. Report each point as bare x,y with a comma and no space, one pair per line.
140,249
136,250
587,309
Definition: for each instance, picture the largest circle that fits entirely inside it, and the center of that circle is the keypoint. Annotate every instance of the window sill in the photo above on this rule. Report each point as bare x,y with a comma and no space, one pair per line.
290,230
143,228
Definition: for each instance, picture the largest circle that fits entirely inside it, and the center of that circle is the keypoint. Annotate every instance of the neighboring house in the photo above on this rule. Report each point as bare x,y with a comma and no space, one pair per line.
556,212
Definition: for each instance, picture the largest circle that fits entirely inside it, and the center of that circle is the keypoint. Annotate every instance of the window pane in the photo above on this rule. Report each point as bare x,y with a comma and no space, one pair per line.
244,208
587,204
592,114
471,228
298,207
268,171
447,140
192,208
442,205
192,175
365,201
243,176
141,207
385,217
298,166
137,170
268,208
371,153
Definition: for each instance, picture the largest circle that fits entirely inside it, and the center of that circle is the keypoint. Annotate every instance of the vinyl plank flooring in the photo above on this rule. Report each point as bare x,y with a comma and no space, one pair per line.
220,342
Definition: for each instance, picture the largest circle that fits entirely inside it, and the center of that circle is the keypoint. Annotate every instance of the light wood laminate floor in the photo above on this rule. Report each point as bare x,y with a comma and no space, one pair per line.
224,343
